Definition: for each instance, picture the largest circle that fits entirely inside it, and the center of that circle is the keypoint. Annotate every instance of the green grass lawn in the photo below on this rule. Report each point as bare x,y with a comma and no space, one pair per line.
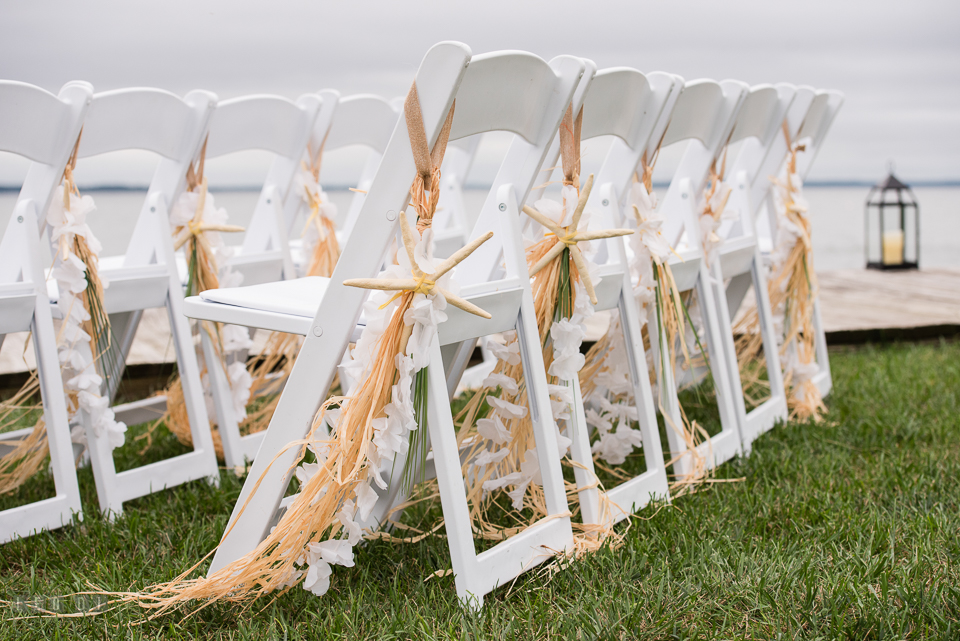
847,529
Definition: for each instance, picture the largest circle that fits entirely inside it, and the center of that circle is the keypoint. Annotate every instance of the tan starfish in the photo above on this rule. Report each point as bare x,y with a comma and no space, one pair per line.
195,227
425,283
569,236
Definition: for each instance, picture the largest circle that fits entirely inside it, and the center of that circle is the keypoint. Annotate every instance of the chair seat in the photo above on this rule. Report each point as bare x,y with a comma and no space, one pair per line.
128,288
17,302
290,306
685,268
736,255
608,289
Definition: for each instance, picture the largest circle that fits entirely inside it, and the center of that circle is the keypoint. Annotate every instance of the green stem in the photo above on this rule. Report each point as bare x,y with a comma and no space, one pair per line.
415,467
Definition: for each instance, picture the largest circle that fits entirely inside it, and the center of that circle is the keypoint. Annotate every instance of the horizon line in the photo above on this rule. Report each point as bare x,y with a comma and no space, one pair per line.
481,186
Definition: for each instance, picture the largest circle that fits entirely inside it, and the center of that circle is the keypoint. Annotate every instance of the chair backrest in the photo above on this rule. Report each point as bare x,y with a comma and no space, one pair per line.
363,119
504,81
153,120
369,121
43,128
271,123
823,110
762,155
635,108
283,127
759,130
704,115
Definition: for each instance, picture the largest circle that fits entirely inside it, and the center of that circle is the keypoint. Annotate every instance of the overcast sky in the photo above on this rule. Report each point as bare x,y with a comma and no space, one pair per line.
897,62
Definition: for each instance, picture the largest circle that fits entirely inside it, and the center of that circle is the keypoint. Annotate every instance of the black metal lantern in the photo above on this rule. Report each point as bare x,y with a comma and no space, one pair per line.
892,226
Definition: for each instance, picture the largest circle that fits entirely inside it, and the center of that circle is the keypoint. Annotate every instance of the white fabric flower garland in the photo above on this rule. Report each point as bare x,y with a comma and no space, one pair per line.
77,360
391,432
235,339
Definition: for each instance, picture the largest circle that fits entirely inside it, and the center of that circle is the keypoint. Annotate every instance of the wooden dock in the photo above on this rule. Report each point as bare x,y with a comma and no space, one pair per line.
860,305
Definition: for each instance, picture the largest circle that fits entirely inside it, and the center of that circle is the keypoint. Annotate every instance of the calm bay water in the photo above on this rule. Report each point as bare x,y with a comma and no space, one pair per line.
836,213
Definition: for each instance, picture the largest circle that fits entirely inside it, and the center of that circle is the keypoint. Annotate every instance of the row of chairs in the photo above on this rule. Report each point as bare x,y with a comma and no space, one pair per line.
512,92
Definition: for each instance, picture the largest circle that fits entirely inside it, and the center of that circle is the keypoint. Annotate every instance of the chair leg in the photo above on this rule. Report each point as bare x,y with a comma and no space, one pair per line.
729,350
54,408
192,386
669,402
824,379
726,444
227,423
579,433
453,495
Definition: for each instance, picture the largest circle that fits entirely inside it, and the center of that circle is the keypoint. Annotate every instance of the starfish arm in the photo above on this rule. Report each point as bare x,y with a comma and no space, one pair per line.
383,284
603,233
230,228
584,274
465,305
181,239
723,205
582,203
553,252
543,220
409,242
459,255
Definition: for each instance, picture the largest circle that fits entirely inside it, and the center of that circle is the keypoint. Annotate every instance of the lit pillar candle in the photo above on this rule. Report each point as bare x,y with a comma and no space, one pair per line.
893,247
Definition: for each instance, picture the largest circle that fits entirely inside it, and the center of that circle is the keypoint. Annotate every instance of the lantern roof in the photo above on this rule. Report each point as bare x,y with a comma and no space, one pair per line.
892,182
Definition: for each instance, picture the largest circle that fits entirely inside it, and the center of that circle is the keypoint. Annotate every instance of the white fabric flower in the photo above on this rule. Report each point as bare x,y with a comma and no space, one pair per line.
506,408
502,381
346,515
493,429
366,500
509,353
488,457
318,578
567,337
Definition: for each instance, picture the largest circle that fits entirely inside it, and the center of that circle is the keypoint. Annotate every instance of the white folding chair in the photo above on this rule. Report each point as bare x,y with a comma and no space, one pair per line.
703,117
738,254
326,312
284,128
295,203
816,123
42,127
633,108
807,120
627,105
146,276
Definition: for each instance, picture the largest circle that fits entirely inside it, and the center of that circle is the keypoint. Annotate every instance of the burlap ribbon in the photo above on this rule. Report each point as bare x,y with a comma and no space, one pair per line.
428,162
570,128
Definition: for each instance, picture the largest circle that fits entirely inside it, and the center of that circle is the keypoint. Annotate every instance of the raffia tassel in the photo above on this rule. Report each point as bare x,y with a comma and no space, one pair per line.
312,516
486,514
326,251
29,453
